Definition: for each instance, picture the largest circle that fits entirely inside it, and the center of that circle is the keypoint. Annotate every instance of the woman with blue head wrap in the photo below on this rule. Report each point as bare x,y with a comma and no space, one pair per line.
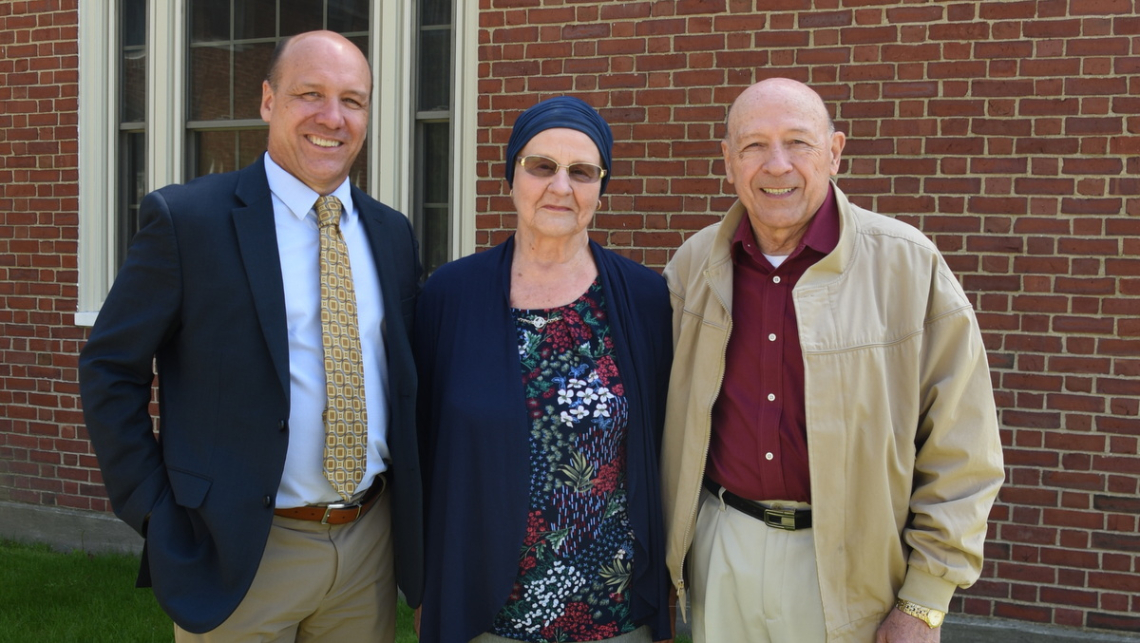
543,366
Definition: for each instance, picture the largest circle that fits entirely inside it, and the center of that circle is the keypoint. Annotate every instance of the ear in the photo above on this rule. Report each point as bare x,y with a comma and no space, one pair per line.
266,101
727,162
838,140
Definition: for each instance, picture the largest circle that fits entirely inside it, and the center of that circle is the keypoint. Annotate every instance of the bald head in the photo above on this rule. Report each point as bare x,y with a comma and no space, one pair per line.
781,92
273,74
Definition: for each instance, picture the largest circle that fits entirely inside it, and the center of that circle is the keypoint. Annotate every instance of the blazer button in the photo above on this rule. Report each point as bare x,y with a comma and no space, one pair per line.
267,501
283,425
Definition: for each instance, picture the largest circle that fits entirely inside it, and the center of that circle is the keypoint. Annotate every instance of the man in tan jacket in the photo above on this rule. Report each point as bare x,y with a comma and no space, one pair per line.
831,446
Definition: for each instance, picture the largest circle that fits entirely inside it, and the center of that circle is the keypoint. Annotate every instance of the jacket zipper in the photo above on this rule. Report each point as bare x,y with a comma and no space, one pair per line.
688,540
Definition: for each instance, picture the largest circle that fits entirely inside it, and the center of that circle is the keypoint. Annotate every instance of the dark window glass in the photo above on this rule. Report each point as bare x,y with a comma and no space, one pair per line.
437,161
210,20
210,83
432,210
132,160
134,23
298,16
132,78
435,70
251,61
435,12
132,188
436,155
348,15
227,150
255,19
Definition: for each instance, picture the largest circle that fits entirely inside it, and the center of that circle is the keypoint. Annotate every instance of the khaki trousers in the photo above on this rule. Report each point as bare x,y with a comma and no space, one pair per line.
318,583
752,582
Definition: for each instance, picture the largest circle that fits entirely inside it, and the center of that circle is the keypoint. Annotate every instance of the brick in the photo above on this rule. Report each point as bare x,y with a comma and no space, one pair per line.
1117,504
1115,582
1122,622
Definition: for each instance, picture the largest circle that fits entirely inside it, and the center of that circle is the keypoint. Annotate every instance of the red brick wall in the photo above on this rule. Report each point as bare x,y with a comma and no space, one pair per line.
1009,131
44,455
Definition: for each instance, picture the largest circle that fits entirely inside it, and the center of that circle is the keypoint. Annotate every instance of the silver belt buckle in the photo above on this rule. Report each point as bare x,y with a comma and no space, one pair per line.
339,505
780,518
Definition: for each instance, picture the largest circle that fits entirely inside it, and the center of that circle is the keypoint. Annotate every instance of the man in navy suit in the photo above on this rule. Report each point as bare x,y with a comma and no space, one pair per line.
246,539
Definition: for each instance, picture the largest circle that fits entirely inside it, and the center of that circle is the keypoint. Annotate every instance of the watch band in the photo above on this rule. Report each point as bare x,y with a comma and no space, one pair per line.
932,617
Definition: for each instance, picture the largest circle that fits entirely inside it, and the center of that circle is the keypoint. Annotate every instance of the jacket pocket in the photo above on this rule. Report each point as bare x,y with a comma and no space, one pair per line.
189,488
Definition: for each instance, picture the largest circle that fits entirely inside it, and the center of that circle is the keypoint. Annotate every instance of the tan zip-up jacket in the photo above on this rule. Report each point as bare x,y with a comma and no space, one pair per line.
902,430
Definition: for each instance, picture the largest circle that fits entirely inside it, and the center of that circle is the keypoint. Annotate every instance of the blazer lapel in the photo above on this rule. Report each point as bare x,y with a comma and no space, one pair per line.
257,238
374,226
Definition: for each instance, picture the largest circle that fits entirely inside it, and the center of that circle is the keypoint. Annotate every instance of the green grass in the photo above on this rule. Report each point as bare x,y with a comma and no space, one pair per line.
60,598
50,596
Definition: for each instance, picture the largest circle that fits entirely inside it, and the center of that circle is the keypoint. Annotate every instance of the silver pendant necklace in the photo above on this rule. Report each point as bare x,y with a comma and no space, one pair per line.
538,321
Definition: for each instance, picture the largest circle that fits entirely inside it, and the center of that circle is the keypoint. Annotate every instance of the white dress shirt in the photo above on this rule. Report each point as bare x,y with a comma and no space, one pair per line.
298,242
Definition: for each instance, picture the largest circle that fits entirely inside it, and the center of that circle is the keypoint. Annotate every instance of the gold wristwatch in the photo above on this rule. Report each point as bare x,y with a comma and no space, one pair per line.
932,618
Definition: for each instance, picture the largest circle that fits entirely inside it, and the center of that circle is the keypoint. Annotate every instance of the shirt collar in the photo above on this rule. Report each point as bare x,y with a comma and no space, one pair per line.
298,197
822,234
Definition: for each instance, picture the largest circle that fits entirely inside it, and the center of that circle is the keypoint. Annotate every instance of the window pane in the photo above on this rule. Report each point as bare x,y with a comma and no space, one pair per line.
298,16
358,175
209,20
435,237
250,64
436,167
251,144
132,103
255,19
435,12
435,70
134,23
209,83
361,43
132,173
217,152
348,15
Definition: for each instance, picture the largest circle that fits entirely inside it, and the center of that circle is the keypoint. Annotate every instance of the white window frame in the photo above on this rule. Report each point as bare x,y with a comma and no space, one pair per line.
391,128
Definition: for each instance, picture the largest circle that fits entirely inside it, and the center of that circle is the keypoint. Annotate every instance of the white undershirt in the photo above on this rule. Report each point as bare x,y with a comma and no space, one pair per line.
775,260
298,242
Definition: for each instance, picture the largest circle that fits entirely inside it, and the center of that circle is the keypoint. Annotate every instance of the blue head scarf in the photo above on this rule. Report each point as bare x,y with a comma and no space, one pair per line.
561,111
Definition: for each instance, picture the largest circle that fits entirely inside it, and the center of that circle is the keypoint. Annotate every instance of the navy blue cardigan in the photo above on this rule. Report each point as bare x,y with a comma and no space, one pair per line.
475,432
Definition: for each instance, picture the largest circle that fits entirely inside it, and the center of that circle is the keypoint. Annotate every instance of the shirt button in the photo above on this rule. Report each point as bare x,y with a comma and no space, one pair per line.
771,397
776,279
768,456
772,337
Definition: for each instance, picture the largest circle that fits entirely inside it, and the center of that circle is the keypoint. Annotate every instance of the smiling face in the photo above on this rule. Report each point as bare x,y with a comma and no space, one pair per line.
780,154
556,206
317,109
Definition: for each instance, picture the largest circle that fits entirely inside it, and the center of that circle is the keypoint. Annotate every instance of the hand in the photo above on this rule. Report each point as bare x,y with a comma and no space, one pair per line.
416,620
904,628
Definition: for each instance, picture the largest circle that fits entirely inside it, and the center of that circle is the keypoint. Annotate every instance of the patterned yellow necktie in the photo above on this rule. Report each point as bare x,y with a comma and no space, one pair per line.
346,418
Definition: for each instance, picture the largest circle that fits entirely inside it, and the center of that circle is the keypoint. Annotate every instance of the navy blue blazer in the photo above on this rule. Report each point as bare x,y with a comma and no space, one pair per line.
201,293
475,434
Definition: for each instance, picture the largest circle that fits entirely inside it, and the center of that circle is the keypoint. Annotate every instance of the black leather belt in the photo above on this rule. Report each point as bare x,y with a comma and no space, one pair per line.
786,519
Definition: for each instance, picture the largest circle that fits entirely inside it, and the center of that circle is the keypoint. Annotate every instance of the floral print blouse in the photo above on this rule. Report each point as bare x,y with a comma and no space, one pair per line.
576,559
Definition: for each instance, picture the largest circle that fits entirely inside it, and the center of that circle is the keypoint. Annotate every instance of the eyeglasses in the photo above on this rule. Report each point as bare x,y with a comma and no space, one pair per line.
544,168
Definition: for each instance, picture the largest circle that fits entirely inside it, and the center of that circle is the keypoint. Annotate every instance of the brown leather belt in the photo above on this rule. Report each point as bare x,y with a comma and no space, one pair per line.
786,519
341,512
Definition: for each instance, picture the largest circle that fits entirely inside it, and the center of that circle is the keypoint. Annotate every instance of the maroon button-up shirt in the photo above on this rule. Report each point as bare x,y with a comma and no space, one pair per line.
759,435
